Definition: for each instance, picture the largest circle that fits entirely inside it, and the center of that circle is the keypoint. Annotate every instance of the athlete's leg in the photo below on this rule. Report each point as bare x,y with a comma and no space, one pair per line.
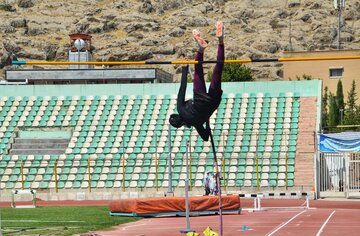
215,85
199,80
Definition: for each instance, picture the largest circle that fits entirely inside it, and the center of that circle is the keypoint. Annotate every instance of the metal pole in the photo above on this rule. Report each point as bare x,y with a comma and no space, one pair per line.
286,171
317,167
170,191
22,175
187,190
190,163
257,172
187,193
55,174
156,165
339,23
223,172
123,172
259,203
123,167
257,163
307,202
223,163
89,176
217,183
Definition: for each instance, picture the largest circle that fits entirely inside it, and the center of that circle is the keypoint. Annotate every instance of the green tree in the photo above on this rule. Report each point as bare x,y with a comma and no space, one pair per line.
351,109
333,119
340,101
325,101
357,117
234,72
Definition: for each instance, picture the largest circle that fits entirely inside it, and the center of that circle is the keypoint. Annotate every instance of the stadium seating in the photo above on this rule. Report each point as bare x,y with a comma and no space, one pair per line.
123,141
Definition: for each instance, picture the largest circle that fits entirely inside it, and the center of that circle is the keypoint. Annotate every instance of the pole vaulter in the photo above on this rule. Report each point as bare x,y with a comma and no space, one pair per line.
197,111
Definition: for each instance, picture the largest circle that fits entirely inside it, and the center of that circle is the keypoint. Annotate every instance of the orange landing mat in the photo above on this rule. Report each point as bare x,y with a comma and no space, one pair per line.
173,205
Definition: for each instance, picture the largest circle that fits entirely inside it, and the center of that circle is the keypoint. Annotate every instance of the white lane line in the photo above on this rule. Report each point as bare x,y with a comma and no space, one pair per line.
282,225
131,226
323,226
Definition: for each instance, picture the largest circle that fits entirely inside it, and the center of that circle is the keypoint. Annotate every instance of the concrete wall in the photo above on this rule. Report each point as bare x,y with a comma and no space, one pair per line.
303,88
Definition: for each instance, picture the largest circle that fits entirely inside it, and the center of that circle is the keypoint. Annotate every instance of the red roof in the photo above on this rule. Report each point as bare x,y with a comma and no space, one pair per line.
80,36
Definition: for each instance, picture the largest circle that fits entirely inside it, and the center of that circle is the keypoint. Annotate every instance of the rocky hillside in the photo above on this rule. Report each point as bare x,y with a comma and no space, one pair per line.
161,29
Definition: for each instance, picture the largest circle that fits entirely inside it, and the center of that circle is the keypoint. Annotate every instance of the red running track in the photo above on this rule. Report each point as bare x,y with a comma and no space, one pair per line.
293,222
323,218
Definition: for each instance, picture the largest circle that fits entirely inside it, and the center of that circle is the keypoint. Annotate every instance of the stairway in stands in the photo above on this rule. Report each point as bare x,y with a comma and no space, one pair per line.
38,146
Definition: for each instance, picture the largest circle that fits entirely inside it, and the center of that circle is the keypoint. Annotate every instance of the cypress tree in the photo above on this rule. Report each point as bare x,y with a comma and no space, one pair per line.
333,120
340,101
351,115
325,99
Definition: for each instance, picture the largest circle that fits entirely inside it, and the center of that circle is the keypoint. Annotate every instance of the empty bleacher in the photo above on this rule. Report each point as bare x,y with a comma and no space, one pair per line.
122,138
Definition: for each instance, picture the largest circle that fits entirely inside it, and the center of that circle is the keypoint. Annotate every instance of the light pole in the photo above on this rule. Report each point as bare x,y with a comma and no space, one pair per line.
339,5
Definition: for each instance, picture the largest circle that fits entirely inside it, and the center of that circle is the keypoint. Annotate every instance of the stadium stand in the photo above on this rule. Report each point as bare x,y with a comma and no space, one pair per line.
119,133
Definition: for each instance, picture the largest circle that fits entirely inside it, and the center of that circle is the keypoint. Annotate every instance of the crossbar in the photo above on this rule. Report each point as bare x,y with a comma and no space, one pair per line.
281,59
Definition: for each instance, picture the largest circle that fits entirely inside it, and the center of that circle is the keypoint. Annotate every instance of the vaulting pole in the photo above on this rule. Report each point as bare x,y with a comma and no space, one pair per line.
281,59
217,182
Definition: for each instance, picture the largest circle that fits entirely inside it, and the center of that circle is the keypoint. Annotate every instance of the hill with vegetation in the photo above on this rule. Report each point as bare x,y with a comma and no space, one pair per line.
161,29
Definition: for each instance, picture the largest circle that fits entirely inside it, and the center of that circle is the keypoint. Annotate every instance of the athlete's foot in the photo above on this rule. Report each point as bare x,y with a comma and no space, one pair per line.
200,41
220,31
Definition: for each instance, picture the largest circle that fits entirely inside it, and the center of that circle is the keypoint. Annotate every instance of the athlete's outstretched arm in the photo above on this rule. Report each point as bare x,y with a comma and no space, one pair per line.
182,89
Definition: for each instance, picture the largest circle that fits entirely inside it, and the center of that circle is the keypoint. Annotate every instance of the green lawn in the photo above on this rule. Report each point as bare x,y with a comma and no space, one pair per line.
58,220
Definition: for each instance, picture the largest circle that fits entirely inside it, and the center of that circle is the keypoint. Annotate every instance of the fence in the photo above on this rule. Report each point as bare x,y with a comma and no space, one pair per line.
339,174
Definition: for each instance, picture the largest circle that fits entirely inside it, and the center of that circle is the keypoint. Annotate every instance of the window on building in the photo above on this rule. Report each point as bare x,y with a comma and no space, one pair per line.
336,72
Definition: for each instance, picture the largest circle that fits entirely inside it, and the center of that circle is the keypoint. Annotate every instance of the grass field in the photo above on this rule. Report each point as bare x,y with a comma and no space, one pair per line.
58,220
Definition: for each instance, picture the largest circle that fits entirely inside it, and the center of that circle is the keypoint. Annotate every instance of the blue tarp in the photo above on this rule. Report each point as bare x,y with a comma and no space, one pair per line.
340,142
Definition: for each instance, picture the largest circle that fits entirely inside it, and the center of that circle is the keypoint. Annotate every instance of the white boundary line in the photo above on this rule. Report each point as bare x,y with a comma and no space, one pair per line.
323,226
47,221
282,225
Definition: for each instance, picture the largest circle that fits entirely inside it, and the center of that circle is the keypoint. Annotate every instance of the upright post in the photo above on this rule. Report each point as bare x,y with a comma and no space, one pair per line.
170,191
286,138
257,163
55,174
187,192
286,171
22,175
257,172
217,183
123,172
223,163
190,163
223,172
307,202
89,175
156,165
123,167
